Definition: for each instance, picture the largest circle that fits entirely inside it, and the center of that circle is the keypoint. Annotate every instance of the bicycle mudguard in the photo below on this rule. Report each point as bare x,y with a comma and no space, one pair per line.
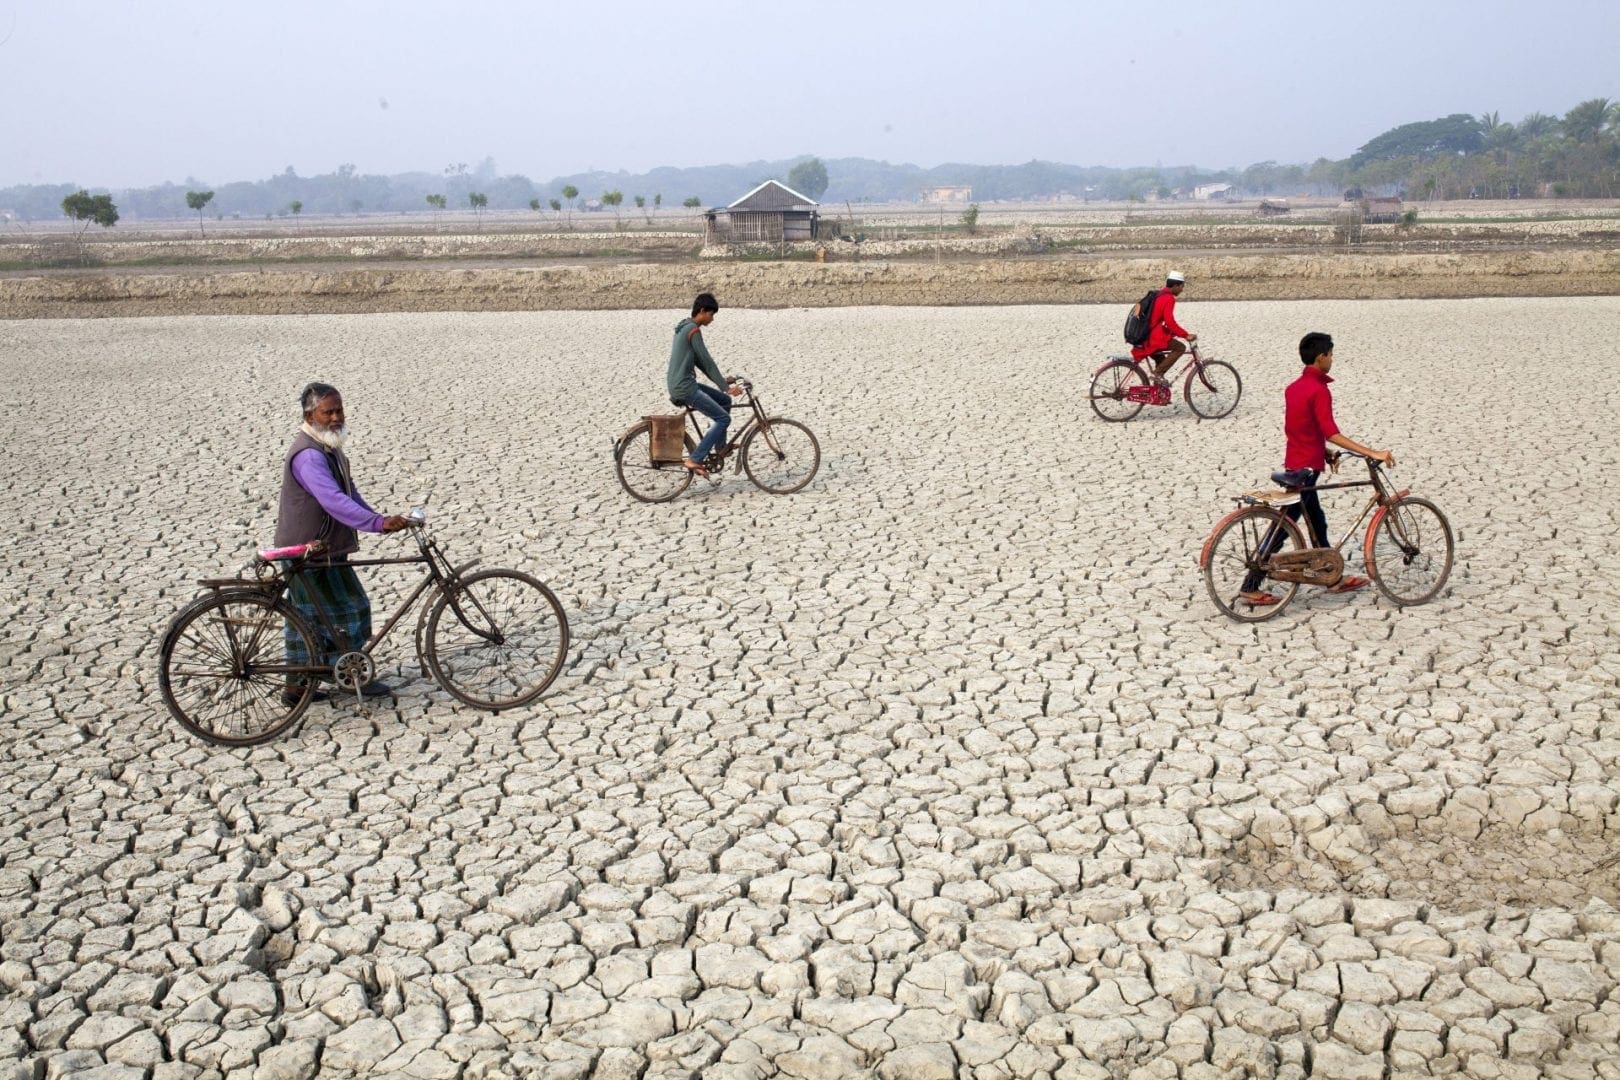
422,613
1112,360
1203,554
1377,520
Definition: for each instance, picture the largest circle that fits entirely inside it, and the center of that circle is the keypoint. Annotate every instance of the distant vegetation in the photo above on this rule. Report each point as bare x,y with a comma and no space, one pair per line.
1575,155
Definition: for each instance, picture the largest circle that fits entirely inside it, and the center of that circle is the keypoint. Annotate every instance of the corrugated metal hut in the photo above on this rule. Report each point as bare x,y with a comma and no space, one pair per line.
771,213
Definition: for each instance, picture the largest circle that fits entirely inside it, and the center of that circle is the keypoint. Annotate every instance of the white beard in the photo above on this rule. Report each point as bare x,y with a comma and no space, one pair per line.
331,438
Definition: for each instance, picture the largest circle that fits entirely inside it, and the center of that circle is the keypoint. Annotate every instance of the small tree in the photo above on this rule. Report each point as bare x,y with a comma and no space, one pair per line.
296,207
970,218
808,178
89,210
614,199
641,204
693,203
658,200
197,200
570,192
556,207
534,204
478,200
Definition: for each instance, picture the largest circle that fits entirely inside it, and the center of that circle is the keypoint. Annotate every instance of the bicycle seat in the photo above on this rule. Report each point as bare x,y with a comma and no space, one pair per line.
1293,479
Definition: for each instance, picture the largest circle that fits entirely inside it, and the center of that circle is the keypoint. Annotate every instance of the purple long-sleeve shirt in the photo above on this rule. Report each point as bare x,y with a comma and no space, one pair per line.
309,468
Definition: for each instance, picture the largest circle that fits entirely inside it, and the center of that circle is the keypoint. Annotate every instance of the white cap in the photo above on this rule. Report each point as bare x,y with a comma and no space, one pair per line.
1175,276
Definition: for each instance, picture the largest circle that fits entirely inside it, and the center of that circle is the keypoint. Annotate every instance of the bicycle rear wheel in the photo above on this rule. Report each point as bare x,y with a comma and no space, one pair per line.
1108,389
223,668
497,639
781,456
642,478
1409,551
1212,389
1236,551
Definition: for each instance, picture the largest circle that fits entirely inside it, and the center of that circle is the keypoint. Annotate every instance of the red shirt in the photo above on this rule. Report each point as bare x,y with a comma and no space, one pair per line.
1308,420
1162,325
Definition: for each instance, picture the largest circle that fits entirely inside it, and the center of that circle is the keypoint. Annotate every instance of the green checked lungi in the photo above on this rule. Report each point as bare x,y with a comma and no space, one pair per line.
346,606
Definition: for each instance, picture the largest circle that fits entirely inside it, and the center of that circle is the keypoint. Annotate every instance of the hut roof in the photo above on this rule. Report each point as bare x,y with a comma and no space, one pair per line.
773,195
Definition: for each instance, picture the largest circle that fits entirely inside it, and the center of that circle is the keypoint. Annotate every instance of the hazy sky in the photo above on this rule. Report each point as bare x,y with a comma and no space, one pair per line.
121,93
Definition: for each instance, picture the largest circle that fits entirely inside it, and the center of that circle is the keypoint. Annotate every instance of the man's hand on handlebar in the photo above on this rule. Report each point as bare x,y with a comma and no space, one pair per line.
394,523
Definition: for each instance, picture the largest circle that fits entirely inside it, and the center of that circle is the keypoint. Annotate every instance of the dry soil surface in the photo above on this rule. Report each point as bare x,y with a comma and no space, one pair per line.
944,766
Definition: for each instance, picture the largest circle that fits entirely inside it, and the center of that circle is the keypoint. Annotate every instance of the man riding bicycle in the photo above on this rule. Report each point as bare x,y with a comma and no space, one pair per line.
1163,342
687,355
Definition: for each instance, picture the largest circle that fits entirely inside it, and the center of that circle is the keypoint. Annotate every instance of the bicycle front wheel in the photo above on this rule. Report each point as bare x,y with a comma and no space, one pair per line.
641,477
781,456
496,639
1108,389
1409,551
1235,557
1212,389
224,673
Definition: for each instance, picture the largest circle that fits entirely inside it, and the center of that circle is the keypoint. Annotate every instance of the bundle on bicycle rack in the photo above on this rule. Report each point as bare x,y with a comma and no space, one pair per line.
665,446
1313,566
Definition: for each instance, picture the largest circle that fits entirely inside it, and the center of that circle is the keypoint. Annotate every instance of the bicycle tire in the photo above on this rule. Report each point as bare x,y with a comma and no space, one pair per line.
1108,388
1206,389
212,680
486,631
1401,550
1232,552
649,483
776,467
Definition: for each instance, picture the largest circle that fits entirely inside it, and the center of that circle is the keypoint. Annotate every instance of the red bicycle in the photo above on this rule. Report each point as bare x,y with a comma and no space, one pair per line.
1122,386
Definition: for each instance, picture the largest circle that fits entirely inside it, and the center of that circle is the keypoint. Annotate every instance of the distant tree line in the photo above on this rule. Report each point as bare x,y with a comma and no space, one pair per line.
1575,155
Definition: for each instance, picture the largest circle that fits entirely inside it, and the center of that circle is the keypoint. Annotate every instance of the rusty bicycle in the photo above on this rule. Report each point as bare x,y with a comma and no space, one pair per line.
1121,386
780,456
495,639
1408,547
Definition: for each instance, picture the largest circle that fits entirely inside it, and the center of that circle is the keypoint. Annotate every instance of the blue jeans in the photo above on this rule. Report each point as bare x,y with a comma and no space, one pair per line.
716,405
1311,506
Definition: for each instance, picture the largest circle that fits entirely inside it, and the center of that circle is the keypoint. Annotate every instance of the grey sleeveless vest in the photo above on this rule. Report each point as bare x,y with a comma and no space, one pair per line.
300,518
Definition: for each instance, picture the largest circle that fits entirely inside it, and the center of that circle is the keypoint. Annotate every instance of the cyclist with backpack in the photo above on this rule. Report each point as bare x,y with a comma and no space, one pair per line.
1161,337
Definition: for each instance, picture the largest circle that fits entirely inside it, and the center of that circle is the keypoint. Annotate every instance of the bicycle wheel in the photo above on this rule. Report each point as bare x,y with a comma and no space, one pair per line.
1233,553
643,479
223,668
1108,389
1409,550
497,640
1212,389
781,456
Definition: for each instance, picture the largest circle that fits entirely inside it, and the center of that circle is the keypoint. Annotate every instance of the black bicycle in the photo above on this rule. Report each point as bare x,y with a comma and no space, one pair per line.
494,639
780,456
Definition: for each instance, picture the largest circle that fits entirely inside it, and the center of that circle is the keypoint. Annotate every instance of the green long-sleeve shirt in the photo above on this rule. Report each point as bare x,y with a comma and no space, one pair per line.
688,353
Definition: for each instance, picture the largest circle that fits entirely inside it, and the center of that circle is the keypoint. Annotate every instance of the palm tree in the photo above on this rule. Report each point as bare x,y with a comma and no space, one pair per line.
1585,121
1536,125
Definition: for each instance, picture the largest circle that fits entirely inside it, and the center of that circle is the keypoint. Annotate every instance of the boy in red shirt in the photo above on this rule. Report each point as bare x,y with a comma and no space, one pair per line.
1309,427
1162,343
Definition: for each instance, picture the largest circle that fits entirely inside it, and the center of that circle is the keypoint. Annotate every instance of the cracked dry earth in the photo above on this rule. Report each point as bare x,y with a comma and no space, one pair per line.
945,766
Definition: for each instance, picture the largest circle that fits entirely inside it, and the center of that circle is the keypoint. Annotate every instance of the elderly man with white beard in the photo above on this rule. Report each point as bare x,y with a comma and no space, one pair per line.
319,501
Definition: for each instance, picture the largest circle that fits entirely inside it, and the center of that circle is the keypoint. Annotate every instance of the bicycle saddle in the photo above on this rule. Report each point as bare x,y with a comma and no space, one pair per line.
1293,479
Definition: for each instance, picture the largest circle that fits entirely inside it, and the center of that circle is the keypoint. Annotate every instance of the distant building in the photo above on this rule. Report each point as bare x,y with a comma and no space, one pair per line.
1377,211
947,194
771,213
1212,191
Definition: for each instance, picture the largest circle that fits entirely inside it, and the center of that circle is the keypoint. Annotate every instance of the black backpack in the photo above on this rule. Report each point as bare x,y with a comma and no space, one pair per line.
1139,323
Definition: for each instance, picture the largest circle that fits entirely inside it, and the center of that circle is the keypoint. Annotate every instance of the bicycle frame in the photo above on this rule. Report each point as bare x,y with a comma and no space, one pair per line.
1192,354
759,419
440,575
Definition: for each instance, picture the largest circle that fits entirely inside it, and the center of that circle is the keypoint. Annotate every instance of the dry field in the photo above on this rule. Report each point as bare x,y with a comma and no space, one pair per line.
945,766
